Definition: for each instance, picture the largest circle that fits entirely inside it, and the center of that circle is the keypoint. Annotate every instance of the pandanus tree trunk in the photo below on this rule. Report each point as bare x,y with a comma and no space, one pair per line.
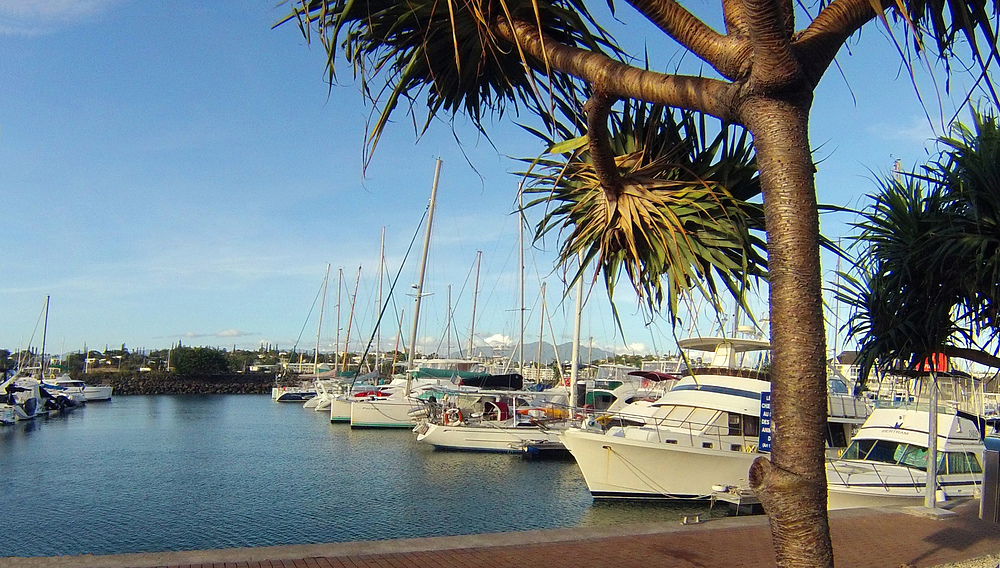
792,484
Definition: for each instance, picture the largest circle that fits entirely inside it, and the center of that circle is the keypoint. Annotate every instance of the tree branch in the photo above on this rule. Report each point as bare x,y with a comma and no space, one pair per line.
974,355
818,44
775,66
598,109
735,15
729,55
613,78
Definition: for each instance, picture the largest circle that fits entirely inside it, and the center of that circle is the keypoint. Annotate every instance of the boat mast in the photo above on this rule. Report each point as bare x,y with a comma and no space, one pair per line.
419,288
520,251
319,327
399,333
45,328
475,296
541,334
574,368
449,322
336,348
350,320
378,327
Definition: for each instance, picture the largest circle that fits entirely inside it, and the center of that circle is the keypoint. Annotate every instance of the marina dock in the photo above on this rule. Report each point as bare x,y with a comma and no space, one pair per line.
862,538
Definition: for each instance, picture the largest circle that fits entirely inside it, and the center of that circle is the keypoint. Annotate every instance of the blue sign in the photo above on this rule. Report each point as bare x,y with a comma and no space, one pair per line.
764,441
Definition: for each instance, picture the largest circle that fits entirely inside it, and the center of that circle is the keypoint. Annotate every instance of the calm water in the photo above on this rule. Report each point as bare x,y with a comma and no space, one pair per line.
155,473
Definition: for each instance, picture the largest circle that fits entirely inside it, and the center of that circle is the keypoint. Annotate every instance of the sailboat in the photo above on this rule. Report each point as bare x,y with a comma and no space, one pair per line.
392,410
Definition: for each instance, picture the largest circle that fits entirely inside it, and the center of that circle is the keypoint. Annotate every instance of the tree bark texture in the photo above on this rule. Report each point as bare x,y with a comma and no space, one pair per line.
792,485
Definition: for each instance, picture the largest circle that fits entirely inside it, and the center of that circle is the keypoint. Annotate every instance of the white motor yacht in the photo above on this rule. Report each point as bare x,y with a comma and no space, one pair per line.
80,390
886,463
699,438
22,398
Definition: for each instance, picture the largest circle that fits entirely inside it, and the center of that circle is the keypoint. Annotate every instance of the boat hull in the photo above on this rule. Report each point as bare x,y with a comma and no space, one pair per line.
382,414
855,485
291,394
340,410
97,393
621,468
483,438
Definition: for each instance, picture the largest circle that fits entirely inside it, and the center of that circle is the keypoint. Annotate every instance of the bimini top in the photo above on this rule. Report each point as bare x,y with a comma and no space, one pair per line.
736,344
724,349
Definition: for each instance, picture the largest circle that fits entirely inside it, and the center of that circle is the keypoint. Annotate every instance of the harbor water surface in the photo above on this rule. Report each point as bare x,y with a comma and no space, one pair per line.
188,472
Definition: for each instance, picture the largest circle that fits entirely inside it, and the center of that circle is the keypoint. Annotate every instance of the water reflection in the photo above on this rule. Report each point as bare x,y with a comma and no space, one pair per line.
151,473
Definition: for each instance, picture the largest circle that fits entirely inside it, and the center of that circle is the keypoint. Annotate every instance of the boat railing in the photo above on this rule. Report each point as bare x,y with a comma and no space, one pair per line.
882,479
708,433
846,406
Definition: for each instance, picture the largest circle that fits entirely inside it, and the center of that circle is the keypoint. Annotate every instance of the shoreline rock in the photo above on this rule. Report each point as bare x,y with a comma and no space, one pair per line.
229,383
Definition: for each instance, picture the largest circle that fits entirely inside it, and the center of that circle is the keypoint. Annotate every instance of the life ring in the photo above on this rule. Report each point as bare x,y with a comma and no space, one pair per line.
453,416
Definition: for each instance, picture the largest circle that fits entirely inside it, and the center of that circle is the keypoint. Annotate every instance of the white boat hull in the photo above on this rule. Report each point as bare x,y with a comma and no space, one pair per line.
97,393
621,468
340,410
859,485
387,413
483,438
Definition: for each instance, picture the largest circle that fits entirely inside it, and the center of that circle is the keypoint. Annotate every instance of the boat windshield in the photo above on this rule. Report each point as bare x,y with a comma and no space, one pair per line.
911,455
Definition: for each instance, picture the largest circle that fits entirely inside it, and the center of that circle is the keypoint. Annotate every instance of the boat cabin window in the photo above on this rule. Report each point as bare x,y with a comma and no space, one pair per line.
858,450
676,416
701,417
603,400
911,455
836,435
743,425
963,462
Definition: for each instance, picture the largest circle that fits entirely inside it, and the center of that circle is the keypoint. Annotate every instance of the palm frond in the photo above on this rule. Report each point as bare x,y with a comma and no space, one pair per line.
684,221
907,286
947,22
445,52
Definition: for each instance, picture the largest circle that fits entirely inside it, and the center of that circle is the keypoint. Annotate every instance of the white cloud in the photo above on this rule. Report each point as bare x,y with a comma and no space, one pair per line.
235,333
498,340
638,348
226,334
37,17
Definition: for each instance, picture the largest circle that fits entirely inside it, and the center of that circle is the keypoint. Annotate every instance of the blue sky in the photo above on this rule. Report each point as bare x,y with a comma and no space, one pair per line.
181,171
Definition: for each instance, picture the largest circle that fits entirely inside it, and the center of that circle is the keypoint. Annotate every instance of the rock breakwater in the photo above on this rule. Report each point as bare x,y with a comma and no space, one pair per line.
231,383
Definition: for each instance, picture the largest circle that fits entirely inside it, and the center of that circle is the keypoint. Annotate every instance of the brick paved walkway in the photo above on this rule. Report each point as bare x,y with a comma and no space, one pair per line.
862,539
